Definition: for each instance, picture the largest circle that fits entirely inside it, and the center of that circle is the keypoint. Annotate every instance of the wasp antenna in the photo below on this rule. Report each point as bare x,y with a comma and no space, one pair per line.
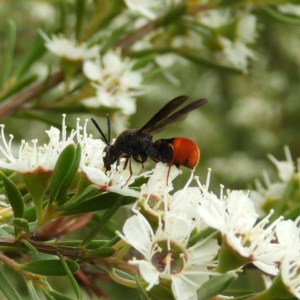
108,129
101,132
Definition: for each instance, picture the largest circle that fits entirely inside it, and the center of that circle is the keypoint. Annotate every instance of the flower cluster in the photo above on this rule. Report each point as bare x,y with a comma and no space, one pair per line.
34,158
166,227
115,83
164,224
268,194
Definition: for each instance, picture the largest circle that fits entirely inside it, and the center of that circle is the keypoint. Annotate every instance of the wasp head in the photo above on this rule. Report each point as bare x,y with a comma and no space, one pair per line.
110,156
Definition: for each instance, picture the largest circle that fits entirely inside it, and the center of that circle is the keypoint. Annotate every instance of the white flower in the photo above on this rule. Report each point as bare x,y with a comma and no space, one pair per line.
151,9
32,158
70,49
155,194
167,255
235,217
285,168
235,47
115,82
289,8
237,53
290,273
288,234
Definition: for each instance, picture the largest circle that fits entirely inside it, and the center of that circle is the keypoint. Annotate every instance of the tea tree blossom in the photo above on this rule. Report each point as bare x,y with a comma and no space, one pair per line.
166,254
289,8
69,49
268,193
116,84
35,158
151,9
236,218
235,48
285,168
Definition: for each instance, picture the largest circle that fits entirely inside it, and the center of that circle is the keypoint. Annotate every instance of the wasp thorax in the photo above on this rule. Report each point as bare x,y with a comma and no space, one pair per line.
168,258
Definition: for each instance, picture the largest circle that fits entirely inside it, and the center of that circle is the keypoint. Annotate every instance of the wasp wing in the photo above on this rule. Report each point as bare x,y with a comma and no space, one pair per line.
176,116
163,113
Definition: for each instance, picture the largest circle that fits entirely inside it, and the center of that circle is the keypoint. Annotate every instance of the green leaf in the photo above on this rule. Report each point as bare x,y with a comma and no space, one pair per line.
36,50
194,57
141,289
9,53
58,296
123,275
19,85
96,228
103,201
200,235
280,17
95,244
37,184
7,289
50,267
80,11
71,277
14,196
64,173
215,286
101,252
22,224
90,191
32,292
282,203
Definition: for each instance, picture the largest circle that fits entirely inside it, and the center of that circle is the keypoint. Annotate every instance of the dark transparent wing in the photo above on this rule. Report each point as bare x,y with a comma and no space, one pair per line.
177,116
164,112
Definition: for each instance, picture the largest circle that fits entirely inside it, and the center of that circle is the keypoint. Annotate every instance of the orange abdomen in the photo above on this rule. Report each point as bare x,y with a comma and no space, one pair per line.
186,152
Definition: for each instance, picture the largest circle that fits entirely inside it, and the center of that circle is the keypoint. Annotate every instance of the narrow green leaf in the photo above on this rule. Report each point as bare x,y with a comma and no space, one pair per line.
194,57
9,53
64,173
30,247
89,192
101,252
71,277
7,289
124,275
22,224
95,244
80,11
280,17
174,14
37,186
58,296
36,50
14,196
141,289
103,201
32,292
198,236
70,176
19,85
282,203
215,286
50,267
96,228
113,38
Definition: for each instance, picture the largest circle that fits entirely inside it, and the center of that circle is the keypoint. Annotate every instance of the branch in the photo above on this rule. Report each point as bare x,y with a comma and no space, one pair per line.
17,101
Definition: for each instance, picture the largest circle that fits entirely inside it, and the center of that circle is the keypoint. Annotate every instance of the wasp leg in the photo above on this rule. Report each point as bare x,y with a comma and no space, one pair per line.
142,159
171,161
128,160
